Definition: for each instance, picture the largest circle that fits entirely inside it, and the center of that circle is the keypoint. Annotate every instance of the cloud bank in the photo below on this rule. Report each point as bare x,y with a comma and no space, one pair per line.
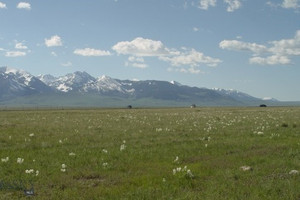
278,53
184,60
91,52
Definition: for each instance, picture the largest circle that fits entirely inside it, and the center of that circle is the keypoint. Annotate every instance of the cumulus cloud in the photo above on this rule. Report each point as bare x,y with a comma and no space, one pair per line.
205,4
20,45
141,47
242,46
54,41
270,60
278,53
290,4
136,62
191,58
15,53
287,46
233,5
24,5
91,52
187,60
2,5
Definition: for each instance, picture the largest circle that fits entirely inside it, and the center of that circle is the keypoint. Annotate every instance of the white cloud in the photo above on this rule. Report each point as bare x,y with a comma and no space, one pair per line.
137,62
141,47
2,5
233,5
136,59
242,46
287,46
24,5
270,60
136,65
91,52
191,58
205,4
290,4
54,54
191,70
195,29
15,53
279,51
20,45
186,60
67,64
54,41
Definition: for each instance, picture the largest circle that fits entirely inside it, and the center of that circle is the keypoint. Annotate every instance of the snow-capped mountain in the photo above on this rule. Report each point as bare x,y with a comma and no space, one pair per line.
240,96
82,82
16,83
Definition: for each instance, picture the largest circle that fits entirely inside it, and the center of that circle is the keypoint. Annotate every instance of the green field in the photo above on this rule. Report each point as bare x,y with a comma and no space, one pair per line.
151,153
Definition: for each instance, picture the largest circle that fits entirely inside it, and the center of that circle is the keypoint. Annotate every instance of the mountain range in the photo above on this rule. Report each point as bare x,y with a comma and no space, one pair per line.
20,88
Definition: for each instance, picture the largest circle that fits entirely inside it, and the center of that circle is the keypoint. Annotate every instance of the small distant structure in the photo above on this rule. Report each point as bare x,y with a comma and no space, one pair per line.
262,105
193,106
129,106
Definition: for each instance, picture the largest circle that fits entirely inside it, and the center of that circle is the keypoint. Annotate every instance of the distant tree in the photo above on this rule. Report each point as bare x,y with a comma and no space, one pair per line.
262,105
193,106
129,106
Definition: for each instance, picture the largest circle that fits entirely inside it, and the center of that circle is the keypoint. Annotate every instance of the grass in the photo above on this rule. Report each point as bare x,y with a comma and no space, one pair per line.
213,143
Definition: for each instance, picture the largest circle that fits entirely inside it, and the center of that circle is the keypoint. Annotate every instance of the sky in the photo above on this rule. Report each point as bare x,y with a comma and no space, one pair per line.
249,45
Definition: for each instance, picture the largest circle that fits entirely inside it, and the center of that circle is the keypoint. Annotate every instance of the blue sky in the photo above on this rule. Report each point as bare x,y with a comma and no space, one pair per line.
249,45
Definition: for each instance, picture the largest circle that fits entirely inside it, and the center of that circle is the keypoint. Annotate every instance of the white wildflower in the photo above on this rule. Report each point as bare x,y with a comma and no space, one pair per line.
122,147
5,159
20,160
174,171
260,133
105,164
189,173
31,135
158,129
246,168
72,154
104,151
294,172
164,180
63,168
60,141
37,172
176,159
29,171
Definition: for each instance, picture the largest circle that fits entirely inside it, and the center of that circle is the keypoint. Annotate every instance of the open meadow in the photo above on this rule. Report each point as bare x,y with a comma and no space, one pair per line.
180,153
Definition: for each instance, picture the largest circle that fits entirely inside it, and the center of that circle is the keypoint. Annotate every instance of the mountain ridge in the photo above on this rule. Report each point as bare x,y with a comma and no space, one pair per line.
18,84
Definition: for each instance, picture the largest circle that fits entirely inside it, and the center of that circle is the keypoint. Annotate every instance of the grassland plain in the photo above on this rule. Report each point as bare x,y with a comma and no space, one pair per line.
200,153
